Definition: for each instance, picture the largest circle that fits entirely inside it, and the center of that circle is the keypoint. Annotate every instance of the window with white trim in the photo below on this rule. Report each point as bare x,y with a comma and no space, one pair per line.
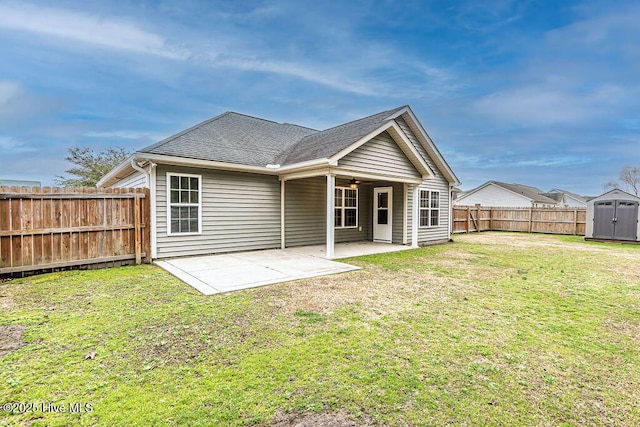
429,208
184,213
346,207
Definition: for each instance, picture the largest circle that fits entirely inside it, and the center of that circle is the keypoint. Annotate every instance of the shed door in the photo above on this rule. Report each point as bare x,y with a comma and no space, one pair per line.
626,220
603,214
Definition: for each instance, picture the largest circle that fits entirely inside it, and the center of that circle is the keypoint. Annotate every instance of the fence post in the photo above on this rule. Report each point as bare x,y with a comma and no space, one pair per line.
479,220
530,218
468,218
490,219
575,222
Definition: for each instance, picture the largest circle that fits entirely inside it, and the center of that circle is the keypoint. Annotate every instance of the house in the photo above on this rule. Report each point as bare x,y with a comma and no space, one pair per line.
613,215
567,199
19,183
500,194
239,183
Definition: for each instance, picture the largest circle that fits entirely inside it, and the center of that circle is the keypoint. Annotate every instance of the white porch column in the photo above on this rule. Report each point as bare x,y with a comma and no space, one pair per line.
331,185
282,214
415,216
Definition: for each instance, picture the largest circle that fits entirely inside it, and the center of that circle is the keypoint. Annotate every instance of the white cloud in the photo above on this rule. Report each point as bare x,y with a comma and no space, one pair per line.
13,146
85,28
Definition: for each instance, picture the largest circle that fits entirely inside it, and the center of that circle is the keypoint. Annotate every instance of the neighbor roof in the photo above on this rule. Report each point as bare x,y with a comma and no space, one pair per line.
532,193
574,195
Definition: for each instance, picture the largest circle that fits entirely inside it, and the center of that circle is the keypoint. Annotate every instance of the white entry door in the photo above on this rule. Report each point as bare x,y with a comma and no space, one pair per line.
382,214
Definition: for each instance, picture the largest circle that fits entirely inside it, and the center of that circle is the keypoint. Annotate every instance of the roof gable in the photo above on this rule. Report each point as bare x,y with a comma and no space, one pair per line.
331,141
532,194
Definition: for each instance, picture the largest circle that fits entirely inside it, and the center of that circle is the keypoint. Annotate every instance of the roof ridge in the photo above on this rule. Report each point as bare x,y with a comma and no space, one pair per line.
362,118
270,121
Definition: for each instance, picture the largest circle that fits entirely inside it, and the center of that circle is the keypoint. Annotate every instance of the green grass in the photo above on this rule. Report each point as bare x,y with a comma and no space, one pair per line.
495,329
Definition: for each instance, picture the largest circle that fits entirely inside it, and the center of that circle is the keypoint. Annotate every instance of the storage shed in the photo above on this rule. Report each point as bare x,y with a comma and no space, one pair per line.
613,216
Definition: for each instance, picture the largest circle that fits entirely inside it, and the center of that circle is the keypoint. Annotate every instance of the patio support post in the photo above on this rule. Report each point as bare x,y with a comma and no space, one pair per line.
415,216
331,185
282,214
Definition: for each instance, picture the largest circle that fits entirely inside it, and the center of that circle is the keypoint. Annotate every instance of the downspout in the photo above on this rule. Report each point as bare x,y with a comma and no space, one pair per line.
450,226
150,176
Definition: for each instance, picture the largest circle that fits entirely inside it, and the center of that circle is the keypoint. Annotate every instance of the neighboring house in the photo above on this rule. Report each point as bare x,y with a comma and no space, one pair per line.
566,199
500,194
238,183
18,183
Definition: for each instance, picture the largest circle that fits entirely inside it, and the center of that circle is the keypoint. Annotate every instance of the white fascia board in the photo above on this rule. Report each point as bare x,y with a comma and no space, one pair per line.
205,164
113,173
295,167
355,173
431,145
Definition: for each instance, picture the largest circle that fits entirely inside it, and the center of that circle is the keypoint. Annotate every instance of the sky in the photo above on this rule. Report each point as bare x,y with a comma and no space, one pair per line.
542,93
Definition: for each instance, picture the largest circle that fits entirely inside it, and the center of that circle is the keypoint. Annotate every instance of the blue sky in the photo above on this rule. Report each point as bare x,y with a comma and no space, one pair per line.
544,93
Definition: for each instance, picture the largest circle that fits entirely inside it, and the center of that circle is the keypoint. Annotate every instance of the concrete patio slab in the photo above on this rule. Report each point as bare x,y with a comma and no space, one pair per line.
213,274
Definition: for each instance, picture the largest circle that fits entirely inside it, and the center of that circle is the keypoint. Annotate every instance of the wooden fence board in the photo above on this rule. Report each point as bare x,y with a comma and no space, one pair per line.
44,228
535,220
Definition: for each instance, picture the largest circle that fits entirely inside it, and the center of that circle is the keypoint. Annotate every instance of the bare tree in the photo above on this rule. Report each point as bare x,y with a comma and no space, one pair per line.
90,166
629,179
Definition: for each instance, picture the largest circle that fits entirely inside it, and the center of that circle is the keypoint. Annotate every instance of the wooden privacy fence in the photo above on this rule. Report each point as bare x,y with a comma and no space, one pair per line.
533,220
49,228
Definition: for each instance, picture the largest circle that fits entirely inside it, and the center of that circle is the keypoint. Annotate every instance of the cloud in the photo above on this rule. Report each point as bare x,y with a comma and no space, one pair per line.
12,146
85,28
18,104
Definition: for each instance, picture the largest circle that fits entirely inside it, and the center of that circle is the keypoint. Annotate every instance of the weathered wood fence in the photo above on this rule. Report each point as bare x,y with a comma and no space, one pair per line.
468,219
50,228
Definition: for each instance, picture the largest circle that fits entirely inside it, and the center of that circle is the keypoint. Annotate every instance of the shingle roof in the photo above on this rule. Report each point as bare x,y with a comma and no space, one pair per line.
574,195
233,138
532,193
241,139
331,141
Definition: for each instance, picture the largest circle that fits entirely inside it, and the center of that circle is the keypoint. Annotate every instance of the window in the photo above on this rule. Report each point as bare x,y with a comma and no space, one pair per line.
185,208
429,208
346,207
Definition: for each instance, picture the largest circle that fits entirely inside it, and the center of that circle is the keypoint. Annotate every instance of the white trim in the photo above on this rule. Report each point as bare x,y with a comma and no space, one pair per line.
282,214
450,225
153,211
350,173
377,190
331,183
168,185
429,208
344,208
405,213
415,217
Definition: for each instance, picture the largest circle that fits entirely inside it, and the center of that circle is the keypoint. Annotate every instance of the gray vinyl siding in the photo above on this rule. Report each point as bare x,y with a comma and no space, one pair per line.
380,155
438,183
305,213
135,180
240,212
364,217
397,210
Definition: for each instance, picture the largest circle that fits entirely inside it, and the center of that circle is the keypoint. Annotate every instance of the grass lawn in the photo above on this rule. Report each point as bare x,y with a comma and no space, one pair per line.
495,329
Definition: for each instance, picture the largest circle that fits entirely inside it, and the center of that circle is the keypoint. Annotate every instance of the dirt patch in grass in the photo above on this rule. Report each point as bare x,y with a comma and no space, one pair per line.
375,289
314,420
11,338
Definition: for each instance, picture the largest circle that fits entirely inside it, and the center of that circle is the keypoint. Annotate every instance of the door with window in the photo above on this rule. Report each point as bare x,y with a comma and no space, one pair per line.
382,214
